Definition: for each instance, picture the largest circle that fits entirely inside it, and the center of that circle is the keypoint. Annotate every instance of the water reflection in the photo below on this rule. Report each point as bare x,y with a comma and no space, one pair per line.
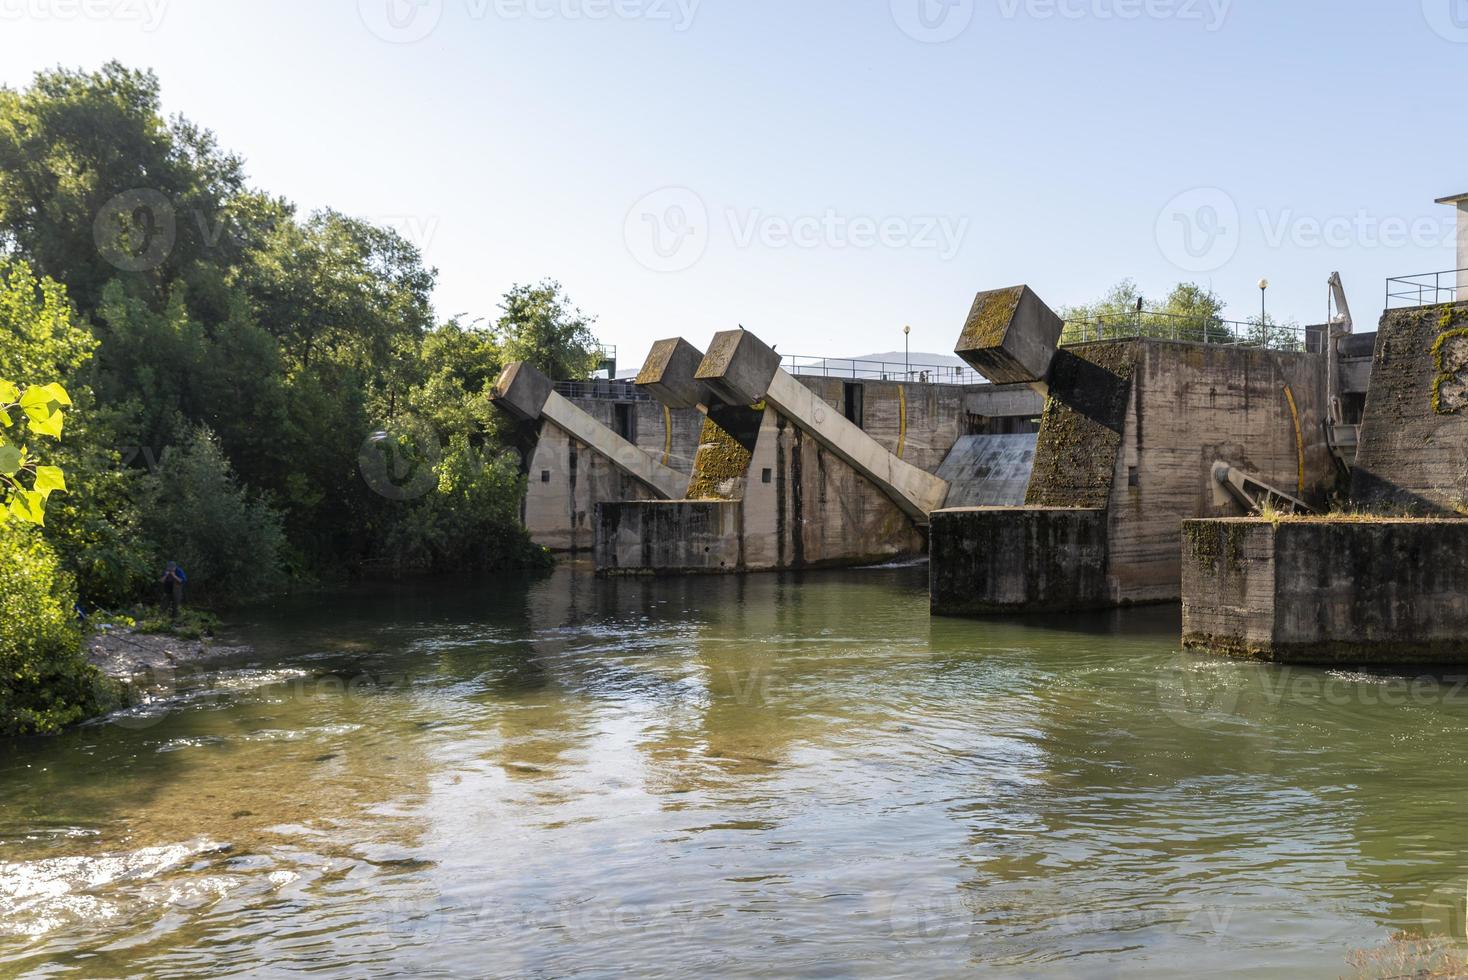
790,775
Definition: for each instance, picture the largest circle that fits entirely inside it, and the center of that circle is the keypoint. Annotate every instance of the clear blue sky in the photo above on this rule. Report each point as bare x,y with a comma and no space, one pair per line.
825,171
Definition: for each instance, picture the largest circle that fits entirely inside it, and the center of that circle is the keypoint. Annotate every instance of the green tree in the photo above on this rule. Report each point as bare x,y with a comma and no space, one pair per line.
542,327
46,682
227,539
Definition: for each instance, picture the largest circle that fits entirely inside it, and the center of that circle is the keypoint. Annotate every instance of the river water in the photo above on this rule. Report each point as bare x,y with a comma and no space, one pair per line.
784,776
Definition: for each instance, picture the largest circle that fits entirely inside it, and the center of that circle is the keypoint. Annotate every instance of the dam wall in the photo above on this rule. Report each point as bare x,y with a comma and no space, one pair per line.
1132,430
1387,583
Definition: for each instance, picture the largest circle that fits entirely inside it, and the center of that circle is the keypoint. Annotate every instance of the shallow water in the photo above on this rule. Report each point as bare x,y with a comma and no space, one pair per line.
790,776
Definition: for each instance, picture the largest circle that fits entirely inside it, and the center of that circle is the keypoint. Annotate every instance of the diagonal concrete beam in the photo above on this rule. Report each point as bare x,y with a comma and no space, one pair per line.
742,370
526,394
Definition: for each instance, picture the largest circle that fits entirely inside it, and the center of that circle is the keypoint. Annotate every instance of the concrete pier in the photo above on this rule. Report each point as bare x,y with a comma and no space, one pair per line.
1358,592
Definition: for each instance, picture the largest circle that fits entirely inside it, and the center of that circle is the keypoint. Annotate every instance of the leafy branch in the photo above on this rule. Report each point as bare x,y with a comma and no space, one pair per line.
37,409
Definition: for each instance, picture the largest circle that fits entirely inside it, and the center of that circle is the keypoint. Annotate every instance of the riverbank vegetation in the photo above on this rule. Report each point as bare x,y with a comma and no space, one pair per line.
262,395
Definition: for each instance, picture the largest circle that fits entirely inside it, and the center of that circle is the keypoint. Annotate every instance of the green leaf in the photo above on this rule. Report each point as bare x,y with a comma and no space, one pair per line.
57,394
9,460
50,426
48,479
35,397
9,392
29,506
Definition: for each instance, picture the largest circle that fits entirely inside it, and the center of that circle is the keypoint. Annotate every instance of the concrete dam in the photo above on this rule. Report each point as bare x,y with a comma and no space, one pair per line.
1083,465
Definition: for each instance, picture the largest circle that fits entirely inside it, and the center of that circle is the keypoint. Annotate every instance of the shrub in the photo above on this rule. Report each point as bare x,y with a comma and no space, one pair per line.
46,682
227,541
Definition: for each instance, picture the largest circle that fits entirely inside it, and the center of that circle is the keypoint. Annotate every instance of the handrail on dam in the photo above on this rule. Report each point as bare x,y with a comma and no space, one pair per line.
1148,325
1427,289
860,369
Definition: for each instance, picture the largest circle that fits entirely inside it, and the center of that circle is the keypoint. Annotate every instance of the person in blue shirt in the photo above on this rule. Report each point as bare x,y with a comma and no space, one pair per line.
173,582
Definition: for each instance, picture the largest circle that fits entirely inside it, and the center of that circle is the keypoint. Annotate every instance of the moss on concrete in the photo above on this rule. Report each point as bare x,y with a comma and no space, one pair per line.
990,318
1081,429
718,466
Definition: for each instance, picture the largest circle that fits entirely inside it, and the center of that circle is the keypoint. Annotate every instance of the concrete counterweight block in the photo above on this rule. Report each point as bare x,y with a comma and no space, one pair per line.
739,367
1011,337
522,391
669,374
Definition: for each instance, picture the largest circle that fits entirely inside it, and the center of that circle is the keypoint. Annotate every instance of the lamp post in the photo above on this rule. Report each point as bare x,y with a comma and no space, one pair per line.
1263,315
907,353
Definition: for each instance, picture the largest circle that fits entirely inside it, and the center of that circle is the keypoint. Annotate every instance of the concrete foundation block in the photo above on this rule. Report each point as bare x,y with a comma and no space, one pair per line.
1011,336
1368,592
668,375
668,537
522,391
988,561
739,367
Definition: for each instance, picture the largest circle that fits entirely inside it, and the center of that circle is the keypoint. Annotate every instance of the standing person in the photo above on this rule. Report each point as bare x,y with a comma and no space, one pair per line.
174,580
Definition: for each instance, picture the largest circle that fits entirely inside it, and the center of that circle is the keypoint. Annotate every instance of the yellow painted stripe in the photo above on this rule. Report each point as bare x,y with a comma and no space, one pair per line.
1299,435
667,434
901,420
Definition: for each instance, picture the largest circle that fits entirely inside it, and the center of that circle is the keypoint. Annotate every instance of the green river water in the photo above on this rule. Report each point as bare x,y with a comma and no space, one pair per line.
769,776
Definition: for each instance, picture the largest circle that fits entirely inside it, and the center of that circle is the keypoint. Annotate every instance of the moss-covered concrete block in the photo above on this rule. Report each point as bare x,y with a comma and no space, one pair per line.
1011,336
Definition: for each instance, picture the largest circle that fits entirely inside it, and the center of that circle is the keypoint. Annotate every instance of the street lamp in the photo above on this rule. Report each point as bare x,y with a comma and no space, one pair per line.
1263,316
907,353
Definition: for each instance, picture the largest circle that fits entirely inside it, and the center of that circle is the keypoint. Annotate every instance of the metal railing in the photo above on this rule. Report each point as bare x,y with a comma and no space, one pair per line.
615,391
864,370
1427,289
1189,329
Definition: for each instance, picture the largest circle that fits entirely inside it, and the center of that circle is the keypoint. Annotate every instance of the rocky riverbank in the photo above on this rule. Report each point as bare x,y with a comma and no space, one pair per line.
123,653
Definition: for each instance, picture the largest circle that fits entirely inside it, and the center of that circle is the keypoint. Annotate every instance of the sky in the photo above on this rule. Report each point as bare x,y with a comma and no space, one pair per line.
826,172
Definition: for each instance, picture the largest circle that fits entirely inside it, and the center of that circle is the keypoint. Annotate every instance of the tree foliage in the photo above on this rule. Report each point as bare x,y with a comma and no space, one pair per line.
542,327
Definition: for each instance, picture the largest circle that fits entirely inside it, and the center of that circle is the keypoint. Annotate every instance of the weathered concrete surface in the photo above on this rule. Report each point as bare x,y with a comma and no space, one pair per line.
664,481
1413,452
1328,591
1026,560
567,479
668,375
1004,401
742,370
521,391
668,537
1133,429
989,471
805,507
1011,337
